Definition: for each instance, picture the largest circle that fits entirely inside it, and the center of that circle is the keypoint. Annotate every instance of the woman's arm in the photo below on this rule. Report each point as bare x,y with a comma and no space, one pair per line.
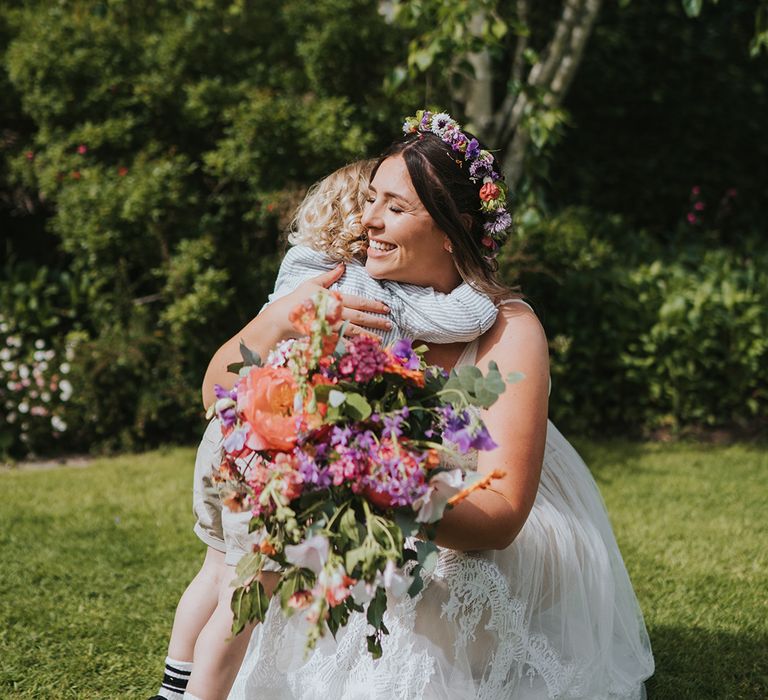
272,325
518,423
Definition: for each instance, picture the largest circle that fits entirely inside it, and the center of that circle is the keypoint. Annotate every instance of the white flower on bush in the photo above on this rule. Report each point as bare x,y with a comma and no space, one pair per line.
66,390
39,344
39,356
58,424
13,341
45,396
11,417
5,354
64,368
23,407
24,371
9,366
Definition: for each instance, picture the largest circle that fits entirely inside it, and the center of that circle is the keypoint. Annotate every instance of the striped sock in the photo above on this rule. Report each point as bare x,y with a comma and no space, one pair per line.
175,679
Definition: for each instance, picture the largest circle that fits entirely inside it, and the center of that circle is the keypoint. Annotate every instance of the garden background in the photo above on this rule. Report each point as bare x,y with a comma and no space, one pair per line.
151,156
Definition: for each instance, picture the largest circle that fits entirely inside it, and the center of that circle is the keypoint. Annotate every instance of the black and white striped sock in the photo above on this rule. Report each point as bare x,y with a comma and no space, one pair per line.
175,679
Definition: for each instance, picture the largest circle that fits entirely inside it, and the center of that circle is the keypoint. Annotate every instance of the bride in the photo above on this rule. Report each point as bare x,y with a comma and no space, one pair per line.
530,598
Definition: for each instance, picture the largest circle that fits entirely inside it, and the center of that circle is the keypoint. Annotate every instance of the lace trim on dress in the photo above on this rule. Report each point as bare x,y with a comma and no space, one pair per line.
477,586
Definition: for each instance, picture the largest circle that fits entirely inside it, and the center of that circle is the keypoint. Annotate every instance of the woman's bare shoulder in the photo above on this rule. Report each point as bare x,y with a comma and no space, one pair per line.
516,330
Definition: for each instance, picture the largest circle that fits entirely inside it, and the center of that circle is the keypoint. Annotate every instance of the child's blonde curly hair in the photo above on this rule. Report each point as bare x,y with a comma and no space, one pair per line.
328,220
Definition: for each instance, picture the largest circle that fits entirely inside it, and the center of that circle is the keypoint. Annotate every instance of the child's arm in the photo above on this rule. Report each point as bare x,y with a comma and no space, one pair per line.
299,264
460,316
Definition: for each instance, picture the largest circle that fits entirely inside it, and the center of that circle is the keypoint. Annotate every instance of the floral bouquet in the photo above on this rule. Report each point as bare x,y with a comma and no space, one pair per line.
340,450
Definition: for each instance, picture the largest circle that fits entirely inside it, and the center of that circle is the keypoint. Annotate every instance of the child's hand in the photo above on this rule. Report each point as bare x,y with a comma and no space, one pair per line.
364,315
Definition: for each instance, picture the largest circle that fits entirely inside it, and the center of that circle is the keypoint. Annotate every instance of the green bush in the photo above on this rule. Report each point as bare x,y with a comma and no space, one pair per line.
643,335
704,359
156,151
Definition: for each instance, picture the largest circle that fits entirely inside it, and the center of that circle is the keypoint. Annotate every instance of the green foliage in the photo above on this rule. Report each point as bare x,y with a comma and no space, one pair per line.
662,103
641,336
156,151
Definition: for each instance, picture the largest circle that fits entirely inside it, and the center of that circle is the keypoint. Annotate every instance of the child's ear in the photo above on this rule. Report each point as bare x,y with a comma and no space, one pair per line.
447,245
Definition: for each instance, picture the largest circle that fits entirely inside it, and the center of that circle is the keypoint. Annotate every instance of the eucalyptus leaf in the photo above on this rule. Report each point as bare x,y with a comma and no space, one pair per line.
357,407
417,584
235,367
427,555
249,356
407,523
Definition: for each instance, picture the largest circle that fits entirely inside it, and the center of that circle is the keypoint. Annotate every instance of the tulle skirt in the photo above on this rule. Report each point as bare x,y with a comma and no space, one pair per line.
551,616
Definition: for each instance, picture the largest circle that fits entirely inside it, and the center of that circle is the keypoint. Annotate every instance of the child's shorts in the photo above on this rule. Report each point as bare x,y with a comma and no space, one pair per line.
217,526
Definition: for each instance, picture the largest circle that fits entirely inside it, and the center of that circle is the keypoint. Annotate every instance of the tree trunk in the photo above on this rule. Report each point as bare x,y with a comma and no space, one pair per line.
552,74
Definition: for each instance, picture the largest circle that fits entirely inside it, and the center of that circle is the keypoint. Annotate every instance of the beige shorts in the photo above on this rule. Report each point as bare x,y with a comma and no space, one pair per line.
216,525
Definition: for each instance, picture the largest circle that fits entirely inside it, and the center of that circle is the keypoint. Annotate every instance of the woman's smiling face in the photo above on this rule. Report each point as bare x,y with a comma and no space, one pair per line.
404,242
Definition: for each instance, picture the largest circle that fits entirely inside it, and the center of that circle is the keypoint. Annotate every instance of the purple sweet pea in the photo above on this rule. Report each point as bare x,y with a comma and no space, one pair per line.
473,149
235,441
403,351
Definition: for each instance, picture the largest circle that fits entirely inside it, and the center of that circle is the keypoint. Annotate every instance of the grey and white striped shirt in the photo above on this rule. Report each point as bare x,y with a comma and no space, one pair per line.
416,312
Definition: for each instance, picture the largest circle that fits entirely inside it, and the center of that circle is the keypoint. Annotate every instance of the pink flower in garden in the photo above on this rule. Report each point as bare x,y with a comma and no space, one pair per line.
696,190
82,149
692,218
75,175
732,192
30,155
699,206
122,171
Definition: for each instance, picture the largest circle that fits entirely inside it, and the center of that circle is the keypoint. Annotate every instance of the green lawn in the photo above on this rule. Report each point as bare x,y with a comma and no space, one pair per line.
94,559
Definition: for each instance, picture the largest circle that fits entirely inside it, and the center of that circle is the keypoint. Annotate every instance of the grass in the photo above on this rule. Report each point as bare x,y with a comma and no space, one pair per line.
94,560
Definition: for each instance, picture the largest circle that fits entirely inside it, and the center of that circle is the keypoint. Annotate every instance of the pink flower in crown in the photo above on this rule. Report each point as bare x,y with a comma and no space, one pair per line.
489,191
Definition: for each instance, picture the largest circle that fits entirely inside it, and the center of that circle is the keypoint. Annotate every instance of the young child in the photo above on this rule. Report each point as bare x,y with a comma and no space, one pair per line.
325,231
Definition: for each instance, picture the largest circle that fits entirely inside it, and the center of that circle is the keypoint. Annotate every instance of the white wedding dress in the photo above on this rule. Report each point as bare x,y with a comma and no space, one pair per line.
551,616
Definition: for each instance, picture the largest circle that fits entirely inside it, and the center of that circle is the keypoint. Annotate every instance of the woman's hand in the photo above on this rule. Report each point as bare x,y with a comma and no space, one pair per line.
272,325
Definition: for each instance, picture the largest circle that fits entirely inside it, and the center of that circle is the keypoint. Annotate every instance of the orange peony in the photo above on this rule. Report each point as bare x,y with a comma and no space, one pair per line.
265,399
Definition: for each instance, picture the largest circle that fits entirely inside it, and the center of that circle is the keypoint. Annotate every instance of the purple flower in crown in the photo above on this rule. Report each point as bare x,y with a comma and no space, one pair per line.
426,120
473,149
499,224
456,139
403,351
482,166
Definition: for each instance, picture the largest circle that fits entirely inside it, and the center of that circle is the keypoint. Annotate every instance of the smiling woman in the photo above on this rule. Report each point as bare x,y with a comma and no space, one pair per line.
401,233
530,598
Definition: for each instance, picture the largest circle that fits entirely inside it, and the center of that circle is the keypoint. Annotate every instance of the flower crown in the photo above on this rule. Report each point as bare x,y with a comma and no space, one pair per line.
493,193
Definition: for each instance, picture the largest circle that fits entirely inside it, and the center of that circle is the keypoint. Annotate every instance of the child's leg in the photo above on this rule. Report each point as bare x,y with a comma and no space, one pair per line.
200,598
197,605
217,655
